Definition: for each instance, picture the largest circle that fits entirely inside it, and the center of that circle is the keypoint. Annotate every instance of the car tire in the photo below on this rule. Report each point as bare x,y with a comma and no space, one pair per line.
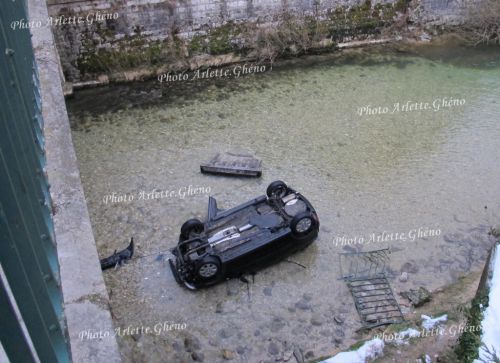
302,224
277,189
191,226
209,268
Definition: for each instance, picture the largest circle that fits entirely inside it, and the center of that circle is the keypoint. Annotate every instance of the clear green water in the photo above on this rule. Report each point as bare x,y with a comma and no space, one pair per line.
364,174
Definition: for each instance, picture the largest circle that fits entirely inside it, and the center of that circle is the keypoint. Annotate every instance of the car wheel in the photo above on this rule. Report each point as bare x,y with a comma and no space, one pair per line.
302,224
209,268
192,226
277,189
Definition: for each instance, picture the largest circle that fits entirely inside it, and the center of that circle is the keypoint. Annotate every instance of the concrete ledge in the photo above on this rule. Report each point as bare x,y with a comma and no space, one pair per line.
85,297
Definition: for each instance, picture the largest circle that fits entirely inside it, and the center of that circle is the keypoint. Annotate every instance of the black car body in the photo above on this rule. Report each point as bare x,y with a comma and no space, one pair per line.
245,238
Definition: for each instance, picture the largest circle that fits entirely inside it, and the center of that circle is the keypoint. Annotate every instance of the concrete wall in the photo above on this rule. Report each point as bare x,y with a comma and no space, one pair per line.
443,12
86,303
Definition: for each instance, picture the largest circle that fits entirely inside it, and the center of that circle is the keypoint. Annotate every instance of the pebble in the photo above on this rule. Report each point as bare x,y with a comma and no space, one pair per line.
273,349
307,297
325,333
197,357
227,354
268,291
338,319
226,333
403,277
277,324
316,320
240,350
410,266
303,305
232,290
287,355
191,344
340,333
496,231
338,341
213,342
218,308
297,352
176,346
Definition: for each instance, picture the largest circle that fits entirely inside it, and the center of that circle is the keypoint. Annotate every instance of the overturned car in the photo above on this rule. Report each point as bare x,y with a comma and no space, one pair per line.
242,239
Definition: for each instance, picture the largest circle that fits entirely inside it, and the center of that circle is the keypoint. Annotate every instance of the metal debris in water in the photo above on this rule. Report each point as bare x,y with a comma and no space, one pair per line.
365,275
233,164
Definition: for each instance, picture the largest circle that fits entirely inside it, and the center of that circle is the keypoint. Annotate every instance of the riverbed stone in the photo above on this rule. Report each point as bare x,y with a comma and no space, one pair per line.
410,267
226,333
340,333
287,355
273,348
307,297
417,297
299,356
277,324
240,350
214,342
191,344
177,346
495,231
338,340
317,320
218,308
326,333
197,356
303,305
227,354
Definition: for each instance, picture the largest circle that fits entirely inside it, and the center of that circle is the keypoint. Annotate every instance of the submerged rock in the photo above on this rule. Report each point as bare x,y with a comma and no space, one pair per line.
495,231
417,297
227,354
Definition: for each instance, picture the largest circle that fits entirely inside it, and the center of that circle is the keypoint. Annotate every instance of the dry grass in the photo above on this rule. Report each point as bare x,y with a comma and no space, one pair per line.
482,24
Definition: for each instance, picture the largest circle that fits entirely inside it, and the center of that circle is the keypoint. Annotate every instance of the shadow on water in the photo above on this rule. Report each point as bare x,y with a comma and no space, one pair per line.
144,94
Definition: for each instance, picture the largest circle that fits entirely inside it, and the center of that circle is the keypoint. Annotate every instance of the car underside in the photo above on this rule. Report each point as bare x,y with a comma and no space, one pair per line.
245,238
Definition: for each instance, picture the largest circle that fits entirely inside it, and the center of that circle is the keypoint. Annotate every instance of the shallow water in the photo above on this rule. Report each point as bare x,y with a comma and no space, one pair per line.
313,123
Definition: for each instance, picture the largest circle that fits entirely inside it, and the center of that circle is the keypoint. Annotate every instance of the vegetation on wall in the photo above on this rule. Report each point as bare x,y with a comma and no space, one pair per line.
470,341
482,23
290,35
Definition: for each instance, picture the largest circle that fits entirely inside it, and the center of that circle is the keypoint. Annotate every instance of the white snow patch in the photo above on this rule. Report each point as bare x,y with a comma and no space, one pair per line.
370,350
428,323
402,337
491,320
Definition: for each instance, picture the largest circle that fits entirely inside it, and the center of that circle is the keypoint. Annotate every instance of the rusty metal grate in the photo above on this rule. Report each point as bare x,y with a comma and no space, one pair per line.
365,275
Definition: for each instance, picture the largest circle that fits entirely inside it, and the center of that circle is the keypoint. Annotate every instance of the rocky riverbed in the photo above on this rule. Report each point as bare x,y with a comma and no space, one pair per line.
402,172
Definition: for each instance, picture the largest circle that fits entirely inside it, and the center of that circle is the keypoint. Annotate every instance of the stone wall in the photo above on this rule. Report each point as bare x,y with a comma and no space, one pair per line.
117,35
443,12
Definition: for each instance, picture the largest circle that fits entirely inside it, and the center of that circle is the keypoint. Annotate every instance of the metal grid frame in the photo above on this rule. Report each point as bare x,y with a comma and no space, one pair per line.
366,277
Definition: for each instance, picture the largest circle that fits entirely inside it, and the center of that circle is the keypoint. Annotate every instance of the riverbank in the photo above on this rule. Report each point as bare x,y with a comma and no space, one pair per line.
227,62
120,50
